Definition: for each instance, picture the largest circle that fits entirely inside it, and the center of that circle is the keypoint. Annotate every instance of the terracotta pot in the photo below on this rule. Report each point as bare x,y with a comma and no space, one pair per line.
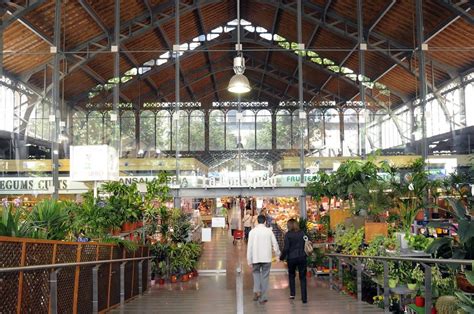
161,281
139,224
127,226
195,273
185,278
116,231
420,216
134,225
173,279
463,283
308,274
190,275
420,301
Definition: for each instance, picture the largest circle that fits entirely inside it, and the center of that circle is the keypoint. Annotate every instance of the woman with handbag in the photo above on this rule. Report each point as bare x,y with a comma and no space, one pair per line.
294,253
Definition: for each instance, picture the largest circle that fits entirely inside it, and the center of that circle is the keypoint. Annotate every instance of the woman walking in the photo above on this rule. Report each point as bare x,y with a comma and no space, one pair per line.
293,252
247,221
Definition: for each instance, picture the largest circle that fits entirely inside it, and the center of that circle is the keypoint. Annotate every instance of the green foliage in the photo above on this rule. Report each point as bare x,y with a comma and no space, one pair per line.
466,303
125,200
449,247
127,245
375,248
418,242
316,259
371,196
12,222
48,220
349,240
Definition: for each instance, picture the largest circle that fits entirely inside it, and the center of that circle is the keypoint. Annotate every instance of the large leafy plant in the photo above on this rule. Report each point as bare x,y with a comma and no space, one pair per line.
48,220
12,222
461,247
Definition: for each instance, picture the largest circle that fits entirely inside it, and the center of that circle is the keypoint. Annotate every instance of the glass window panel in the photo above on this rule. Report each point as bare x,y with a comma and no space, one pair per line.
332,133
283,129
247,129
180,130
163,130
469,104
231,130
127,132
109,128
79,128
316,129
95,128
147,131
196,141
298,129
351,136
7,105
216,130
264,129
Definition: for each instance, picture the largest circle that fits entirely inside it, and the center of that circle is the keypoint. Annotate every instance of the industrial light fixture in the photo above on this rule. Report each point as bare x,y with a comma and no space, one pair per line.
239,84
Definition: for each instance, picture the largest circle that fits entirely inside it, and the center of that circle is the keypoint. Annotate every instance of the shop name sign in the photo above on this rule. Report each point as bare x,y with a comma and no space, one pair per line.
30,185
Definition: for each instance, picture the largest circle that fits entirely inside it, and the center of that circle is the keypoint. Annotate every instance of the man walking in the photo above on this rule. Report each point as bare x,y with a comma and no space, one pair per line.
259,256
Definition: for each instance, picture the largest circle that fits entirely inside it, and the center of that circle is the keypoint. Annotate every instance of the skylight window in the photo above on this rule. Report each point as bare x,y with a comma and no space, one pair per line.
165,55
313,56
266,36
193,46
212,36
217,30
142,70
249,28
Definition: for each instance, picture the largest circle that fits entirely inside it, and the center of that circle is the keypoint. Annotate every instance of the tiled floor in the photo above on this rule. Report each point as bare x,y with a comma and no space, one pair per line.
216,293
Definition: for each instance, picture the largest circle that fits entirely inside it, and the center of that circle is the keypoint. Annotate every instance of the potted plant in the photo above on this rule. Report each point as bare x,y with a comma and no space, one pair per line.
461,247
390,244
418,243
394,274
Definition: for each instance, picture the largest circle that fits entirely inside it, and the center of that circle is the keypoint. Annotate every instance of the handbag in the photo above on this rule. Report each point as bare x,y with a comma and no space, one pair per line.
308,246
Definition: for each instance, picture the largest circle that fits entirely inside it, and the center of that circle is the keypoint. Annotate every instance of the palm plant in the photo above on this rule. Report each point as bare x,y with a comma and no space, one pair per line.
12,222
48,220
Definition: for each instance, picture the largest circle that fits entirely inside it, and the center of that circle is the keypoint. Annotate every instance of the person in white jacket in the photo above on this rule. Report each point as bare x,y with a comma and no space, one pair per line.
259,256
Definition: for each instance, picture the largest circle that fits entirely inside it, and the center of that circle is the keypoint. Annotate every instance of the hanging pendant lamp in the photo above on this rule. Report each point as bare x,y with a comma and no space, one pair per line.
239,84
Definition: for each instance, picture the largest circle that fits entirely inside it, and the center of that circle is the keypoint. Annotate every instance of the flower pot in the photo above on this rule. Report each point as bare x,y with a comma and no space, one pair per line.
195,273
116,231
308,274
420,301
420,216
127,226
139,224
190,275
173,278
392,283
185,278
463,283
412,286
161,281
152,282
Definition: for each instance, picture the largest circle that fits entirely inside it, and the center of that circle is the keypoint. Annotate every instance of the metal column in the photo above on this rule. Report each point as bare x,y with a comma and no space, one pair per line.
302,112
361,42
56,113
423,87
2,13
422,73
116,92
177,200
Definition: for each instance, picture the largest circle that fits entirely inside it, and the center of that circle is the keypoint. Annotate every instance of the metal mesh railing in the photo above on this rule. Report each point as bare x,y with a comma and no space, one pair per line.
43,276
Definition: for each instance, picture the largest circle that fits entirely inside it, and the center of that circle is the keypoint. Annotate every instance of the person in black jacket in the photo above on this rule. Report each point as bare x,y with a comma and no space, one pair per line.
295,255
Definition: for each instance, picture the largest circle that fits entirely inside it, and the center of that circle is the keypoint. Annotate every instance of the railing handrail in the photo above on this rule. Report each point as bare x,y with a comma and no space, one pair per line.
62,265
406,259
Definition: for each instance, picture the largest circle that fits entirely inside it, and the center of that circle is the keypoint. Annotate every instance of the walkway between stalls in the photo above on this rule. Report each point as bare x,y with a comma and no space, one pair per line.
214,290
